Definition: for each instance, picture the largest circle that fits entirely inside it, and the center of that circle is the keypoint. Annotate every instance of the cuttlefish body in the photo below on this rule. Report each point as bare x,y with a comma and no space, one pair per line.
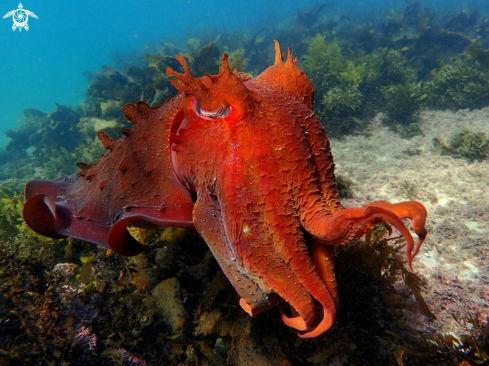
247,163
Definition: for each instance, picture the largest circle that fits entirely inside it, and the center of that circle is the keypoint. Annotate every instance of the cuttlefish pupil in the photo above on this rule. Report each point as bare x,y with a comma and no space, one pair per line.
222,112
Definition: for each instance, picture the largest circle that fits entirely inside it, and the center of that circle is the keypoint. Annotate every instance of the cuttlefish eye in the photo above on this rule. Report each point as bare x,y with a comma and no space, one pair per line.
222,112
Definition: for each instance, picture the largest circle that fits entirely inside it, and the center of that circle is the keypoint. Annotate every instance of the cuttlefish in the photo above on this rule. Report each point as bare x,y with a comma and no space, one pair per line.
246,162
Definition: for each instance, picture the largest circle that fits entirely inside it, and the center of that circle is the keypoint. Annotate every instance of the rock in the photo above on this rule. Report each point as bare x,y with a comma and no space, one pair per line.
147,278
167,296
208,321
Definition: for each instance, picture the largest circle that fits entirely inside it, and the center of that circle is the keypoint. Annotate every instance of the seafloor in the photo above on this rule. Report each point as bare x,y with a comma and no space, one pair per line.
454,259
172,305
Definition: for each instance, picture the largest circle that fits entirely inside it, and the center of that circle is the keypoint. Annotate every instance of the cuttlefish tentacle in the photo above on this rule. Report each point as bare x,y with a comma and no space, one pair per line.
318,289
409,210
351,223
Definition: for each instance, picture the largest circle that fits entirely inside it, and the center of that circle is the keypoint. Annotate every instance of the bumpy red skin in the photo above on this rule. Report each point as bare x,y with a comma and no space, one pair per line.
257,182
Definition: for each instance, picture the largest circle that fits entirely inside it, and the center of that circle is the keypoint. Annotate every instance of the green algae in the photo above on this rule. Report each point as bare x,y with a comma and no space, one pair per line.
351,87
402,107
10,214
336,80
459,84
464,144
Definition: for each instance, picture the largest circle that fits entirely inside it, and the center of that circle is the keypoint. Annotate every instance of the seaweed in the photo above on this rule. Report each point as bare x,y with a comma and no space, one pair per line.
336,81
44,139
207,59
10,215
20,137
107,304
457,85
344,186
392,87
386,67
425,37
464,144
352,87
473,346
475,53
135,83
341,99
402,107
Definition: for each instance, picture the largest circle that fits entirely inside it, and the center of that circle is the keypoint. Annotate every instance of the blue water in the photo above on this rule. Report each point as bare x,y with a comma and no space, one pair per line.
45,64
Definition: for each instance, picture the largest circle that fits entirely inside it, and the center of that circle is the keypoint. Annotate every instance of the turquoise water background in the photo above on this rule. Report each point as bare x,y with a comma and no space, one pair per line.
45,64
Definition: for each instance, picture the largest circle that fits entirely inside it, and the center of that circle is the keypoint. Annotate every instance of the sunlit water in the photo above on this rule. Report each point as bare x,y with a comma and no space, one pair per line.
46,64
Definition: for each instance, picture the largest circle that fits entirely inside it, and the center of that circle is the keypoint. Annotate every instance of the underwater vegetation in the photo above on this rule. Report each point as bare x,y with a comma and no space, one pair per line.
408,60
174,306
405,60
38,131
11,214
403,103
464,144
351,89
459,84
337,82
58,135
411,59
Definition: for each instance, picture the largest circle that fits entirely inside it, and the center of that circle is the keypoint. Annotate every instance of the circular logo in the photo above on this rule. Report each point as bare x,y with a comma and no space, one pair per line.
20,18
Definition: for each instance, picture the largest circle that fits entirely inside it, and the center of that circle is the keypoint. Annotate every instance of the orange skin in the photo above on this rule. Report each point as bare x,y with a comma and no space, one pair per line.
248,164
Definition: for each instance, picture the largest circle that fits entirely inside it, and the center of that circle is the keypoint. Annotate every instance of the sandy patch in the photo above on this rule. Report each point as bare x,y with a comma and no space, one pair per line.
454,259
